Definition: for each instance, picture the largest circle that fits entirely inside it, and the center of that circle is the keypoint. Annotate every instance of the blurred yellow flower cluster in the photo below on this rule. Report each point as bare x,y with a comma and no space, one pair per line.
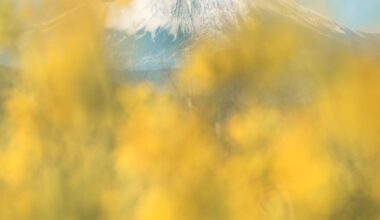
279,124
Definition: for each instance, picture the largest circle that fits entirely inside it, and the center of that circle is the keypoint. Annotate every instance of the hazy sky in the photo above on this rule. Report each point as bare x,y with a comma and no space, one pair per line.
359,14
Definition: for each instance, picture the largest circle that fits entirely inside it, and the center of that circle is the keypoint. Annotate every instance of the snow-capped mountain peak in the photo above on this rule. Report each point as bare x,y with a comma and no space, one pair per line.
208,17
190,16
157,34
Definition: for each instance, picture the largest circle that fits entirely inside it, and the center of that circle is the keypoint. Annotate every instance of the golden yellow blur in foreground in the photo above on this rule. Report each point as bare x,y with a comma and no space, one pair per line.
264,129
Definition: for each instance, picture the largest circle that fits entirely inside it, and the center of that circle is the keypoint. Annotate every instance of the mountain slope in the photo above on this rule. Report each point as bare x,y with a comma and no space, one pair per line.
157,34
210,17
198,17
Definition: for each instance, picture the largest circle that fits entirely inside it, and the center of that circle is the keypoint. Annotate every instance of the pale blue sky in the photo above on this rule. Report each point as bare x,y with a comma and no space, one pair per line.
358,14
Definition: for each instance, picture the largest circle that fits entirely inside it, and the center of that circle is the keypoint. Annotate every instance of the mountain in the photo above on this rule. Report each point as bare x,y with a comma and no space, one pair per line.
156,35
150,38
197,17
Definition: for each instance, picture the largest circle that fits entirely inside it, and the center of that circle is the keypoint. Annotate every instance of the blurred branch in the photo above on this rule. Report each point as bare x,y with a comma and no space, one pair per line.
46,26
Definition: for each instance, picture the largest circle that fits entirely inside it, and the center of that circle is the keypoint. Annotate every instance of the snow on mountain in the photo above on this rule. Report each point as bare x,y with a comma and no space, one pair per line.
207,17
188,16
156,34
